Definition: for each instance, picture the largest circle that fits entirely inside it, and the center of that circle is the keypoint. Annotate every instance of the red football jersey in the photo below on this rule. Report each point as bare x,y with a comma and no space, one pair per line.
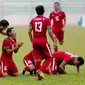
65,57
40,24
29,56
7,44
57,20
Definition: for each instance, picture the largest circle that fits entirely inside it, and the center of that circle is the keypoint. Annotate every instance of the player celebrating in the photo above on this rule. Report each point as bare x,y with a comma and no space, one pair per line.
40,25
7,65
59,22
3,25
64,58
29,64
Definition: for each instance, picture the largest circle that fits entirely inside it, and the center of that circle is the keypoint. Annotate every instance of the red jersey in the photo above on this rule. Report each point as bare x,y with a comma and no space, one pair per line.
29,56
57,20
64,57
40,24
7,44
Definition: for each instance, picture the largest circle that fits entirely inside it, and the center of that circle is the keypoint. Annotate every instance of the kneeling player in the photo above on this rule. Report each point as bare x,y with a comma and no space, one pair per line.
29,64
64,58
7,65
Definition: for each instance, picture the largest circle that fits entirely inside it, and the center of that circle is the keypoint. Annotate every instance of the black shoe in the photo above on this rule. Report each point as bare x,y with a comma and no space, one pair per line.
22,73
31,72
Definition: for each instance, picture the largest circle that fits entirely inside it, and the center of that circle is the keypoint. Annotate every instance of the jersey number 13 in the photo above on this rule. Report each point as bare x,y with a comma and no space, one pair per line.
38,26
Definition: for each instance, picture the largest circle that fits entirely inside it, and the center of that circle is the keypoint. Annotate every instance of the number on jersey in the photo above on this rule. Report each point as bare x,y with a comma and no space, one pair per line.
38,26
57,18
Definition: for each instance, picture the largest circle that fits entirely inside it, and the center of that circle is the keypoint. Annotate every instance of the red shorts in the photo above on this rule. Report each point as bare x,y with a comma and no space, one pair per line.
27,62
41,49
59,35
8,67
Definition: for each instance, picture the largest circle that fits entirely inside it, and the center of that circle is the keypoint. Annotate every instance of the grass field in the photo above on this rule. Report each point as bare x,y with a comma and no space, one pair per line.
74,43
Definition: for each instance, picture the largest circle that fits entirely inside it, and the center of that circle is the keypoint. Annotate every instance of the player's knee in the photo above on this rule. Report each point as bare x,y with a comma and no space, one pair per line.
31,67
5,74
15,74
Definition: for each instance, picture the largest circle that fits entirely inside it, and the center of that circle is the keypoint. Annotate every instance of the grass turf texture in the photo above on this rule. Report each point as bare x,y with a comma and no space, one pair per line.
74,43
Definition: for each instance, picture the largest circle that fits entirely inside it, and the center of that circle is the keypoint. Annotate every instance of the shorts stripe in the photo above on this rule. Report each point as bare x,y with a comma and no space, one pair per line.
53,64
49,50
26,63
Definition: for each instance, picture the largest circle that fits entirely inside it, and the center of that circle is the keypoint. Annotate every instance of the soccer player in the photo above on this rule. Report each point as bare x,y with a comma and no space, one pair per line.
39,25
59,22
64,58
3,25
7,65
29,64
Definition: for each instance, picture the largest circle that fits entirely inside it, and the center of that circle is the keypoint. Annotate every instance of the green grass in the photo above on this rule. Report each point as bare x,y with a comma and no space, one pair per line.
74,43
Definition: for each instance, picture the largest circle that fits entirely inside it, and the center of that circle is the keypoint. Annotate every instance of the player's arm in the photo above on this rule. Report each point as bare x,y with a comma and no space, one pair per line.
53,38
62,67
30,32
3,33
50,17
19,45
64,21
7,49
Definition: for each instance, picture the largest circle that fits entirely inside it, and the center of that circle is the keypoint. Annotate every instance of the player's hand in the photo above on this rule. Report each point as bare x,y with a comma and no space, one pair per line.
55,41
20,44
63,30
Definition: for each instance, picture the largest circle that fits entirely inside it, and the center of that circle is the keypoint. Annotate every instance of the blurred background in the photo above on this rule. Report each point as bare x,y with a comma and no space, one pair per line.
20,12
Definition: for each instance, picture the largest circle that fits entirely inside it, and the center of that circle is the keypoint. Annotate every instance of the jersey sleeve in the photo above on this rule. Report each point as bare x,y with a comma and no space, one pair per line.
65,61
50,16
5,45
64,15
31,23
49,24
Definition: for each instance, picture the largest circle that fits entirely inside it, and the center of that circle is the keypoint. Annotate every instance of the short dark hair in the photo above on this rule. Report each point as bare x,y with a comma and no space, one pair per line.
39,10
4,23
9,30
57,3
81,61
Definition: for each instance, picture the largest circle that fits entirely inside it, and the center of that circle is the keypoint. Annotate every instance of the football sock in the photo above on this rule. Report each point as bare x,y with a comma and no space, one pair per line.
45,64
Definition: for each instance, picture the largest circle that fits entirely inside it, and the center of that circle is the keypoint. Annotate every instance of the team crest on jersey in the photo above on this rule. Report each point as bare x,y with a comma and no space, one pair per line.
43,19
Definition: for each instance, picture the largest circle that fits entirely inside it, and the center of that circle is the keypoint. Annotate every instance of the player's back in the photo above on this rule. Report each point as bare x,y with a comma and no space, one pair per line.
59,55
39,25
29,55
62,55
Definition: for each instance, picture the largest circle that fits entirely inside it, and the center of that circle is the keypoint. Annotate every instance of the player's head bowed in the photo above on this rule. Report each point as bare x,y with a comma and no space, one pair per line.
81,61
4,24
40,10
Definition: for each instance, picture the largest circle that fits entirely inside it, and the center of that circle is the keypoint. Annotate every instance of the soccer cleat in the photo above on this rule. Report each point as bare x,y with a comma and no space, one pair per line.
22,73
35,71
40,75
31,72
